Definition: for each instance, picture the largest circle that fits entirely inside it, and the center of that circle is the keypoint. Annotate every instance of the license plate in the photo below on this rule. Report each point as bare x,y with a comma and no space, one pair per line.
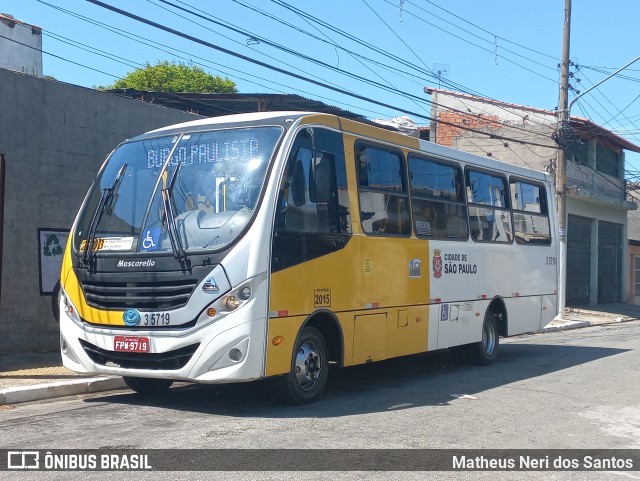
131,344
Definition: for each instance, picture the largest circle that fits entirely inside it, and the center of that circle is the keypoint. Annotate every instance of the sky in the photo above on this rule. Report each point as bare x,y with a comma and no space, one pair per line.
386,50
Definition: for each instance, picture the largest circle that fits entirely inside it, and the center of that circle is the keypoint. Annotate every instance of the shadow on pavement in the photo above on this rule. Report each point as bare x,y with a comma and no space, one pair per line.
420,380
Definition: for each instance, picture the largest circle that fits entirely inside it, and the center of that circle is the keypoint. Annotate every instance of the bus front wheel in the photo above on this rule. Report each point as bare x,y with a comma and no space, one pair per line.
309,368
485,351
147,386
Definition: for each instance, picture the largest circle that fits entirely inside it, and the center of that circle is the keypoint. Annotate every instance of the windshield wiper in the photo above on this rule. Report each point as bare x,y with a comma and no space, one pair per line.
105,198
172,228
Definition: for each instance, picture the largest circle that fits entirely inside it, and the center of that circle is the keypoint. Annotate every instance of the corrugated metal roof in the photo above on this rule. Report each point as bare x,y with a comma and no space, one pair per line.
214,105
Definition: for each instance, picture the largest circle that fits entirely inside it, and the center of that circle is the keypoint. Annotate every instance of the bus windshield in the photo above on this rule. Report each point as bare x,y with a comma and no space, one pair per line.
191,191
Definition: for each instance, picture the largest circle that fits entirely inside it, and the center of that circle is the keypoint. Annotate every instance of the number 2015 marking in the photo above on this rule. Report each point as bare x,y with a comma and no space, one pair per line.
322,298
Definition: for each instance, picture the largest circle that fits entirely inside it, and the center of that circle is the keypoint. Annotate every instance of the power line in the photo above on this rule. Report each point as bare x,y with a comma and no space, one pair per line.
361,42
278,69
462,127
495,37
306,17
171,50
311,20
608,100
301,55
359,58
480,47
556,59
106,73
622,111
93,50
326,40
236,30
398,37
59,57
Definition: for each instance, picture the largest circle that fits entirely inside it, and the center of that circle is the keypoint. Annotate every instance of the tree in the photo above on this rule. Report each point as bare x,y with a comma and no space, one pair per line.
173,77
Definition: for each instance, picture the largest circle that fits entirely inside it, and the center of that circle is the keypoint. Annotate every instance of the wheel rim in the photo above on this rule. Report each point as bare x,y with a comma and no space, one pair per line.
308,367
488,338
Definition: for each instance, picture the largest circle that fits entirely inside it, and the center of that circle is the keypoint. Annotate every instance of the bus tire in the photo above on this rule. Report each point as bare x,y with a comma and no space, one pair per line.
147,386
309,368
55,301
486,351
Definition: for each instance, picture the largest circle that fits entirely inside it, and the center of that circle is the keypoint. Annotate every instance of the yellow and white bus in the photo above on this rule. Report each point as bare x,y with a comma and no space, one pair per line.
277,244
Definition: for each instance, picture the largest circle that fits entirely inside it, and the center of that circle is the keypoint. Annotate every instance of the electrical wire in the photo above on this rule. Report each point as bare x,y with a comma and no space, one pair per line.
301,55
611,103
494,36
272,67
250,78
488,32
314,20
59,57
483,133
480,47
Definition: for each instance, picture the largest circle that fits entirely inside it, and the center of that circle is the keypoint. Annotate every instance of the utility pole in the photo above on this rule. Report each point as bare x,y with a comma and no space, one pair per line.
561,168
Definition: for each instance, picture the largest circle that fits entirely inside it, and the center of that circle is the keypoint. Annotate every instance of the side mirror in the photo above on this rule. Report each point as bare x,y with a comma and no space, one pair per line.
297,184
320,178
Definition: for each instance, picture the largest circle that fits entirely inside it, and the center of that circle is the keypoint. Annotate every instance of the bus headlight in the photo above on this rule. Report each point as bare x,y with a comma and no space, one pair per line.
245,293
232,303
232,300
68,308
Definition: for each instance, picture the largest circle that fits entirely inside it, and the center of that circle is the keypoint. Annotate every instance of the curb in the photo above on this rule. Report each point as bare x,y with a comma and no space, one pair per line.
567,326
578,324
37,392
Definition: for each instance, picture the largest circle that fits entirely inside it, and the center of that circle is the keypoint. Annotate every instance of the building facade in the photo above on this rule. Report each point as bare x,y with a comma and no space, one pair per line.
20,46
598,262
53,138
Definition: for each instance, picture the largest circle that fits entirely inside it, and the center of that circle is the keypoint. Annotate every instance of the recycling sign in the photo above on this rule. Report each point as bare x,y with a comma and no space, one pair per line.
52,246
51,243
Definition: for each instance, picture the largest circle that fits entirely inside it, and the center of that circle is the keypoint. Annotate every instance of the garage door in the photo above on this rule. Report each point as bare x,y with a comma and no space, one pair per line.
578,260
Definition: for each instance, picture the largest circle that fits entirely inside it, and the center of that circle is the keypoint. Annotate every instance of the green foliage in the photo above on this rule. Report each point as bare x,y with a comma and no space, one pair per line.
173,77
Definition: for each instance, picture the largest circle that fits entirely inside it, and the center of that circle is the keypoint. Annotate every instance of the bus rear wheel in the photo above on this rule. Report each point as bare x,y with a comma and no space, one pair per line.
485,351
309,368
147,386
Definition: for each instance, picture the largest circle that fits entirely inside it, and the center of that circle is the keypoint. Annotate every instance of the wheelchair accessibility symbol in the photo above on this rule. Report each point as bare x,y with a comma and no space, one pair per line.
150,239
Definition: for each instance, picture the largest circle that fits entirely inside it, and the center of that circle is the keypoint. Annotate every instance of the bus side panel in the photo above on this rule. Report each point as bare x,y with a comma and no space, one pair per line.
407,331
549,309
279,352
524,314
458,322
370,275
369,338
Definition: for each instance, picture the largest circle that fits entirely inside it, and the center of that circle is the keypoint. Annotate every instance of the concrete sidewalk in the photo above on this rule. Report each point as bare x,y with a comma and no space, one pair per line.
35,377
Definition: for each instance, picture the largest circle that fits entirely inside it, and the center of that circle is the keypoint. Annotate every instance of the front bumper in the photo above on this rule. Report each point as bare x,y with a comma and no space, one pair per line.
229,350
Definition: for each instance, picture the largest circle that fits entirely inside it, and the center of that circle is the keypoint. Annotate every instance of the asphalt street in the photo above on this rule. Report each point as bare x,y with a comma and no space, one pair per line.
572,389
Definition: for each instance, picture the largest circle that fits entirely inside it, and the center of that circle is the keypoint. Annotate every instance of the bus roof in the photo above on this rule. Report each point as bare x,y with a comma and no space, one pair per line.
232,119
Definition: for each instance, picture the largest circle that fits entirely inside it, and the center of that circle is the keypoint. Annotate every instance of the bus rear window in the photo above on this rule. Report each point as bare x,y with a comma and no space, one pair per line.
530,213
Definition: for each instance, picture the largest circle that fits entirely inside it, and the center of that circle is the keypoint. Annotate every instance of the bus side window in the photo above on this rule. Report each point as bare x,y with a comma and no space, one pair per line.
382,190
489,213
310,196
437,199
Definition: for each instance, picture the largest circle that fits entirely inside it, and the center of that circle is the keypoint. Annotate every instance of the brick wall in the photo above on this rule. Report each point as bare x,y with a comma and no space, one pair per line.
447,134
